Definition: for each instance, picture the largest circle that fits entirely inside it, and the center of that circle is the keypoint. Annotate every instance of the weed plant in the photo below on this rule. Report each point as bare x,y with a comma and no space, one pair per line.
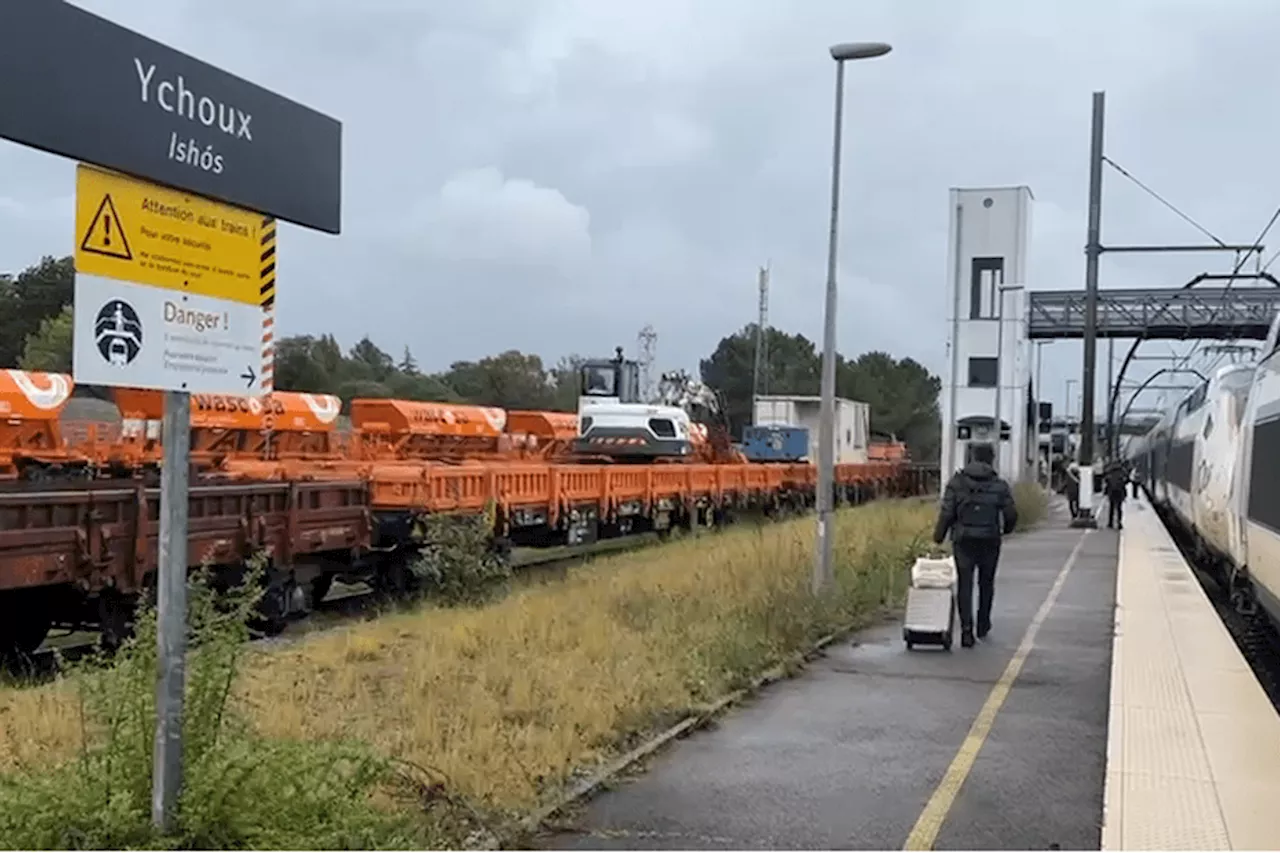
409,730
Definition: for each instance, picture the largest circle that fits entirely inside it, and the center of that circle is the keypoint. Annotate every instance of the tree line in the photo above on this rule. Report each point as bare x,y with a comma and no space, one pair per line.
36,323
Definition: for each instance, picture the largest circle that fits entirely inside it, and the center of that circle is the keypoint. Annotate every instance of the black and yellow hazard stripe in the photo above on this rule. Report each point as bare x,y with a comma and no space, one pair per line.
267,299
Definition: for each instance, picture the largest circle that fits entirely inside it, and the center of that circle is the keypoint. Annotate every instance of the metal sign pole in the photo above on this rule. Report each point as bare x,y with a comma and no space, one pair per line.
171,603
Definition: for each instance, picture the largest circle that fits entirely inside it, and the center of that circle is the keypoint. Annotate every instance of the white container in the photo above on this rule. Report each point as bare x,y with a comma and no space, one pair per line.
852,422
931,603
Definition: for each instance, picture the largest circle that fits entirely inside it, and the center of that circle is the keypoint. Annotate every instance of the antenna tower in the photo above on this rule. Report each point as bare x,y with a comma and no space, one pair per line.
760,377
647,345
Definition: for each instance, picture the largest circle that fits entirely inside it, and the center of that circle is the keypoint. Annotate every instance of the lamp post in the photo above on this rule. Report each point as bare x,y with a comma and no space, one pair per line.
1038,395
823,573
999,421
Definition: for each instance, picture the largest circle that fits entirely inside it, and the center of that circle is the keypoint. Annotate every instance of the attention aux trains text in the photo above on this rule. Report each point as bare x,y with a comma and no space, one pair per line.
182,214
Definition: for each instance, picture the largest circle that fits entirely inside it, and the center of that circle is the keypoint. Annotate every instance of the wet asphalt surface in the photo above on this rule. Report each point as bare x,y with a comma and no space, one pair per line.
847,755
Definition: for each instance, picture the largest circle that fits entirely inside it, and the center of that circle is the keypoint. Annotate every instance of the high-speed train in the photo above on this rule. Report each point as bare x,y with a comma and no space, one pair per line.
1212,465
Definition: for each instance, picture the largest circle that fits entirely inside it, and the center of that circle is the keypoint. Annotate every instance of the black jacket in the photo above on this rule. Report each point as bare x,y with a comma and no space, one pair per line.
975,474
1115,478
1071,486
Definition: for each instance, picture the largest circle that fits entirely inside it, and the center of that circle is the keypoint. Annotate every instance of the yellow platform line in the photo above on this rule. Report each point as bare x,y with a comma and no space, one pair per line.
929,824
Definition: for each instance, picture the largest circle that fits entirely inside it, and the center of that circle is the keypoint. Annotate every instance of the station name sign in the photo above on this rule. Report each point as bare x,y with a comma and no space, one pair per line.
83,87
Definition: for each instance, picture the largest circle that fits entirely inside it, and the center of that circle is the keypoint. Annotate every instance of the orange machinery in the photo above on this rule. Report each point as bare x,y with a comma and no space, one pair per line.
30,404
452,432
280,425
886,450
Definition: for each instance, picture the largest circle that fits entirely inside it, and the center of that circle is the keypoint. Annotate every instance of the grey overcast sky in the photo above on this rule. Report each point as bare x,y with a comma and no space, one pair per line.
550,175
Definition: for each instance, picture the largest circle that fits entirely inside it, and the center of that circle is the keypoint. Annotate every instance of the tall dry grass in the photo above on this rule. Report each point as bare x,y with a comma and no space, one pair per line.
507,700
1033,503
504,702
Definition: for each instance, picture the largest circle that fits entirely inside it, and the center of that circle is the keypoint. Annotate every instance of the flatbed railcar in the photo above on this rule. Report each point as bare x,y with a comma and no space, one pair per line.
79,506
80,557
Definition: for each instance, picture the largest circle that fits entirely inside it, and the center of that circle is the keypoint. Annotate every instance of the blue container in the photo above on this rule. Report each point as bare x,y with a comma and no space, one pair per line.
775,443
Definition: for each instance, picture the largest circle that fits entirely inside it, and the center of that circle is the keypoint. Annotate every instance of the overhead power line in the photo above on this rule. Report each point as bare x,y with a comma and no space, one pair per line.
1185,217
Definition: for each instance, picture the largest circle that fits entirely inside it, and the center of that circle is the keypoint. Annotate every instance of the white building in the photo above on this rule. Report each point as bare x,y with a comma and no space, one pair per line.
852,426
987,253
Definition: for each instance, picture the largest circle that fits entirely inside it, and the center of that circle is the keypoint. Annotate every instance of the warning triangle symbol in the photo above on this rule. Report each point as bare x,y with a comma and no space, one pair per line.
105,235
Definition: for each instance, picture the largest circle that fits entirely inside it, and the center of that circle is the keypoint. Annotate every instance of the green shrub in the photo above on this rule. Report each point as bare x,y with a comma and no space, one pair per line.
457,563
1032,501
240,789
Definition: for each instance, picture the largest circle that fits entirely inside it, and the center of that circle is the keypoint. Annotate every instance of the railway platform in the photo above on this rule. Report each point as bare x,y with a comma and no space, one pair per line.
1109,708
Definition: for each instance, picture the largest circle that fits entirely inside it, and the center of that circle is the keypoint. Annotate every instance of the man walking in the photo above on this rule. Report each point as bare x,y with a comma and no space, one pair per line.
977,508
1115,479
1071,488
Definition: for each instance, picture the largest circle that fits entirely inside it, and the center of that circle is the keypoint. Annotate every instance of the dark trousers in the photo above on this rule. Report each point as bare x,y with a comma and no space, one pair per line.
1073,504
1135,488
976,557
1115,516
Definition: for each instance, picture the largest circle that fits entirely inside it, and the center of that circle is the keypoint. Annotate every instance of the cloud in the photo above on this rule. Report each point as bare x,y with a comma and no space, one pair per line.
480,217
553,174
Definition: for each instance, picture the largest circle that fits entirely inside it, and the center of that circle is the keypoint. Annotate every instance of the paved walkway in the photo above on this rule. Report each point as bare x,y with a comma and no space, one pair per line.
1002,746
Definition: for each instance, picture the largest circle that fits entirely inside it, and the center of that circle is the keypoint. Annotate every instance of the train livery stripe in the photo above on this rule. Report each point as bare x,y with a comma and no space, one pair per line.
267,293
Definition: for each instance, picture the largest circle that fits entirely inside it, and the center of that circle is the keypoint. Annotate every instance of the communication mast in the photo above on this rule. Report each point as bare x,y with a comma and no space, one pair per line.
759,377
647,348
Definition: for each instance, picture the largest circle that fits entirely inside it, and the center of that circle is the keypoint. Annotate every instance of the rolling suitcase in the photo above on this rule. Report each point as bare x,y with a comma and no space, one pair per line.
931,603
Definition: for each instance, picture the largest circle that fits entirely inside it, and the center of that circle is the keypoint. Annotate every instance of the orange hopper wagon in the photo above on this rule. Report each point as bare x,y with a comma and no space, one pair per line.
407,429
281,425
30,405
545,434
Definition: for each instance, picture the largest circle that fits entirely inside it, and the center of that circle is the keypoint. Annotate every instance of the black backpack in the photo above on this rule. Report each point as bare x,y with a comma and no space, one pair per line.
978,513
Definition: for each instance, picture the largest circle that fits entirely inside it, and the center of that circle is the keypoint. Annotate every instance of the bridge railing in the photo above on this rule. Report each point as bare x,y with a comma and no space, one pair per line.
1200,313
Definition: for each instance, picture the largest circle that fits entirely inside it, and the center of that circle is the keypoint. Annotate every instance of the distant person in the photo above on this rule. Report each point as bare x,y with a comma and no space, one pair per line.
1071,488
977,509
1115,481
1135,479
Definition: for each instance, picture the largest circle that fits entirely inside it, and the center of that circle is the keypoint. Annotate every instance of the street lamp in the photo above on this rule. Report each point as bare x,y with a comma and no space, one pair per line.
1041,469
999,422
823,573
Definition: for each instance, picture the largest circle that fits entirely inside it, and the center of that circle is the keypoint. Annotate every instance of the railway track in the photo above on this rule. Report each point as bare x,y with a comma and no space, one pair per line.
1255,636
343,605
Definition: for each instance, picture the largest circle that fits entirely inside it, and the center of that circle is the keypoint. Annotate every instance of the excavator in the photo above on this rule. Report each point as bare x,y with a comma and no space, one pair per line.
685,422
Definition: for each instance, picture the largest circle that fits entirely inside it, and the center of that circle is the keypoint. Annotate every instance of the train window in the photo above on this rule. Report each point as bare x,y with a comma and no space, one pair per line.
1197,398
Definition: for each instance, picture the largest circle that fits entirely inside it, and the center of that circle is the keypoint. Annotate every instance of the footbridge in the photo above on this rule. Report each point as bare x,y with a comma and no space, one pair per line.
1188,313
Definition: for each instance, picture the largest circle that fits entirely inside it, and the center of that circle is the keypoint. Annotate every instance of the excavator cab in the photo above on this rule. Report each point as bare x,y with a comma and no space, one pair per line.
614,421
613,379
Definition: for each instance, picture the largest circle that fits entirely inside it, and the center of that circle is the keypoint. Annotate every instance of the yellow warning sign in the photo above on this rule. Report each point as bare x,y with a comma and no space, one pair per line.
104,235
131,230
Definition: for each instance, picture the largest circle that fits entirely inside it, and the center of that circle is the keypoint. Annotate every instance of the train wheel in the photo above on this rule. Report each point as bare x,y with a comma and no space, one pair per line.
501,547
319,589
396,579
273,607
25,621
115,619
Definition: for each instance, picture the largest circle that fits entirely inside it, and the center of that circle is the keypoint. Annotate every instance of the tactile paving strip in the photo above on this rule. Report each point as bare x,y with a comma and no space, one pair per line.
1160,790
